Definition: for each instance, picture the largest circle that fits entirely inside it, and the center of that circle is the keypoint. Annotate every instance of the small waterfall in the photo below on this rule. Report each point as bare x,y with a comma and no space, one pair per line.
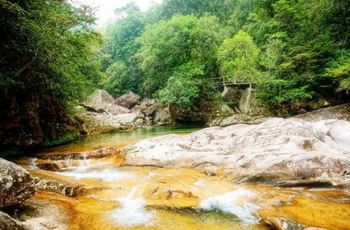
244,103
133,211
231,203
85,169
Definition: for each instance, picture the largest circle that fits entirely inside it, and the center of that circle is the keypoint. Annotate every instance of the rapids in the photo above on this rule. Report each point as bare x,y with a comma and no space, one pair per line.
124,197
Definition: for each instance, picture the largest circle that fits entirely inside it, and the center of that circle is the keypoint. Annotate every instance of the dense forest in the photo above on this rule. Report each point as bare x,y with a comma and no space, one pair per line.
48,61
183,52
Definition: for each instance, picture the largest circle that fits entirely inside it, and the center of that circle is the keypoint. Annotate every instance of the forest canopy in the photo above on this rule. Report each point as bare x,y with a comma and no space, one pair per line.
182,50
48,46
49,60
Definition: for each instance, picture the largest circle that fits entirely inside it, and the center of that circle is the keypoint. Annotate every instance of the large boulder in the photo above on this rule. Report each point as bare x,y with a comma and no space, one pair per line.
152,112
103,115
16,184
102,101
128,100
275,150
95,123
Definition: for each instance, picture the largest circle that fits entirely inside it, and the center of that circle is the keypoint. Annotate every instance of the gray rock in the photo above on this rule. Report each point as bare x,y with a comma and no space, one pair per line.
152,112
94,123
16,184
277,148
162,116
128,100
62,188
101,100
336,112
237,119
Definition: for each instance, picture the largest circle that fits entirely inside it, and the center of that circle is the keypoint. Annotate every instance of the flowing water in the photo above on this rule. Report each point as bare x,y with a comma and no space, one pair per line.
125,197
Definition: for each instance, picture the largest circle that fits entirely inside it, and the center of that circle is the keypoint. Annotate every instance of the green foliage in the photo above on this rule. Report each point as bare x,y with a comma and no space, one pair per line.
117,74
123,74
48,46
63,139
183,87
168,45
277,91
291,51
221,9
239,57
340,69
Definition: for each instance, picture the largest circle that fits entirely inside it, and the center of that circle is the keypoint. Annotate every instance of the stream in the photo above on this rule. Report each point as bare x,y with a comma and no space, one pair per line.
118,196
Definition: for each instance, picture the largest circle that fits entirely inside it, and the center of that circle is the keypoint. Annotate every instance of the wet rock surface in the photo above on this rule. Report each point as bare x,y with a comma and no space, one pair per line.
119,195
65,189
23,212
17,185
37,214
277,148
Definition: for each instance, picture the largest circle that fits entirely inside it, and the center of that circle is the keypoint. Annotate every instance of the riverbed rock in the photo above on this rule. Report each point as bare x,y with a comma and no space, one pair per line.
336,112
17,185
103,115
237,119
65,189
9,223
128,100
39,214
277,148
95,123
101,100
152,113
78,155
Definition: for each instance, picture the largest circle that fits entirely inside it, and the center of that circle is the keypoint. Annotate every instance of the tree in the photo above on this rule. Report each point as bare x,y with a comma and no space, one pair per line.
220,9
183,87
238,57
49,60
169,46
121,46
48,46
339,70
297,49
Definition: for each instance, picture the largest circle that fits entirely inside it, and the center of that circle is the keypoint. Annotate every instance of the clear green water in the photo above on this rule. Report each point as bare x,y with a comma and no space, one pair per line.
127,137
135,135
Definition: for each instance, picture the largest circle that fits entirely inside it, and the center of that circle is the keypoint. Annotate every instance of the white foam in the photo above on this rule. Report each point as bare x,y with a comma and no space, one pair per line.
228,203
84,172
33,163
200,182
132,213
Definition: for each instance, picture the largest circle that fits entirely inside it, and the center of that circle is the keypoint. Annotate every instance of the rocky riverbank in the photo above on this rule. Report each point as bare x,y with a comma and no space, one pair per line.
19,210
174,174
278,151
102,113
